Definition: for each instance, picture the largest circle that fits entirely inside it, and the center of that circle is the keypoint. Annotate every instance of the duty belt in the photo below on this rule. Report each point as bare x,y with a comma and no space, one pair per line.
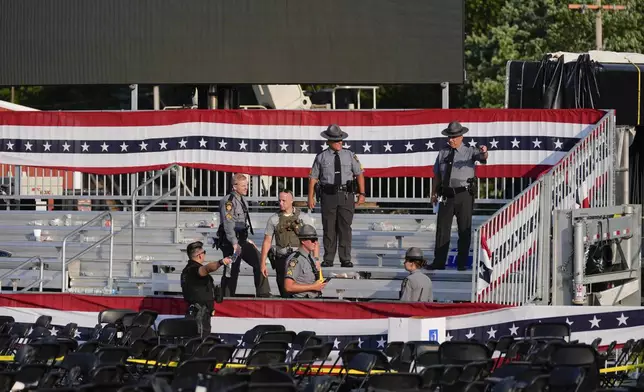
451,192
335,188
284,251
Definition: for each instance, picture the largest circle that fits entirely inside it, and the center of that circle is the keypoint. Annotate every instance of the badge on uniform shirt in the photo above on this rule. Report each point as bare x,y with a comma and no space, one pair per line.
229,206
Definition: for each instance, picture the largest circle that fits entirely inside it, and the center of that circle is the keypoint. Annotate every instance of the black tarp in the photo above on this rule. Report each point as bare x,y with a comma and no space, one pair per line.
579,84
553,84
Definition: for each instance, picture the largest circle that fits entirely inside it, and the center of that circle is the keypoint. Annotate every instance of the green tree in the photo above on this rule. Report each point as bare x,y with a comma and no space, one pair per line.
529,29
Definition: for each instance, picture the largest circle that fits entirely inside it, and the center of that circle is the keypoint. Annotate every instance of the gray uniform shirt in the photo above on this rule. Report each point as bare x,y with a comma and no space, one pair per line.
300,270
417,287
232,215
464,163
323,168
305,219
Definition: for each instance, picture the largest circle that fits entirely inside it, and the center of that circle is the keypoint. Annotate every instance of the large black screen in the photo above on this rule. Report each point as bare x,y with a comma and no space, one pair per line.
59,42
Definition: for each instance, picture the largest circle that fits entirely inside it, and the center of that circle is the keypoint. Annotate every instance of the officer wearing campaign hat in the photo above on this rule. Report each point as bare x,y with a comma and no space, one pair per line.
303,278
455,187
417,287
340,177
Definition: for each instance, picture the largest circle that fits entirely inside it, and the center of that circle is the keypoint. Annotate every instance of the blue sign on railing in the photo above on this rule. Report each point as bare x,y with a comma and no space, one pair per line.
433,335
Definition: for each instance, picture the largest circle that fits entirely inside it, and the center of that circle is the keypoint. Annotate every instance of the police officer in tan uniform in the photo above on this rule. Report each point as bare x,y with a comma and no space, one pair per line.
233,236
335,169
303,278
284,227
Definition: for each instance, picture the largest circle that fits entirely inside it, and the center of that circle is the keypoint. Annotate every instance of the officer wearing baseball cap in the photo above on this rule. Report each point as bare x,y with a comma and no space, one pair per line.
198,287
303,278
417,287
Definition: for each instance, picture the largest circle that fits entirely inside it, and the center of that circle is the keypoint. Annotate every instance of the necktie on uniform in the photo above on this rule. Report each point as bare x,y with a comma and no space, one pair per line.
338,169
448,169
250,225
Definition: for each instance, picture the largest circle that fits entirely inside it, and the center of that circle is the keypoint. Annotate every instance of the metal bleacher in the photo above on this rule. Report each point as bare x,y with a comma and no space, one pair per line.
159,256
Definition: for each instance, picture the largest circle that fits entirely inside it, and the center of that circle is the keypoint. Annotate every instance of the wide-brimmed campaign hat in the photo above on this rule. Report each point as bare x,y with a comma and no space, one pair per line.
454,129
333,133
307,232
416,255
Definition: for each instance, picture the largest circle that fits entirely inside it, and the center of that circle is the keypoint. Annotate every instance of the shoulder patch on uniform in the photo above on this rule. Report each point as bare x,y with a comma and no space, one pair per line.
229,206
293,263
355,156
289,272
229,216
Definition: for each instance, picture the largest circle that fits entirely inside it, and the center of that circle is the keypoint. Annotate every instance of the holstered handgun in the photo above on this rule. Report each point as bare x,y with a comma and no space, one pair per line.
219,294
217,242
472,186
318,191
352,186
271,256
193,310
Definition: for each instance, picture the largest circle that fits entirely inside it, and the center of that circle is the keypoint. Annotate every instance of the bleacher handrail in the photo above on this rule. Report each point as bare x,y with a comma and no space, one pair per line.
178,183
110,236
527,274
23,264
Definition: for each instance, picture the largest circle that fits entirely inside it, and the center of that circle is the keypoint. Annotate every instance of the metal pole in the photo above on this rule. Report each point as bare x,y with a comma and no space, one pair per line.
134,97
42,274
111,272
13,94
63,284
133,228
17,180
177,232
626,167
445,95
598,27
628,211
212,97
579,264
157,98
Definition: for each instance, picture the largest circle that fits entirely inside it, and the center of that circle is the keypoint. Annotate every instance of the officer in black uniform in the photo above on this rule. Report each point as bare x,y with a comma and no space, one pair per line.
198,287
455,185
233,236
335,168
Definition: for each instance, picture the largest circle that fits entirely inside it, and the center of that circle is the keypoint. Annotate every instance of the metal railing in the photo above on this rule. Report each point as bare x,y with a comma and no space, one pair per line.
512,248
176,188
31,260
201,185
82,228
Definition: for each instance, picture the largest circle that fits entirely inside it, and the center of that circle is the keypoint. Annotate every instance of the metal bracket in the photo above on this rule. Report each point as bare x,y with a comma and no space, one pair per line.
575,231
